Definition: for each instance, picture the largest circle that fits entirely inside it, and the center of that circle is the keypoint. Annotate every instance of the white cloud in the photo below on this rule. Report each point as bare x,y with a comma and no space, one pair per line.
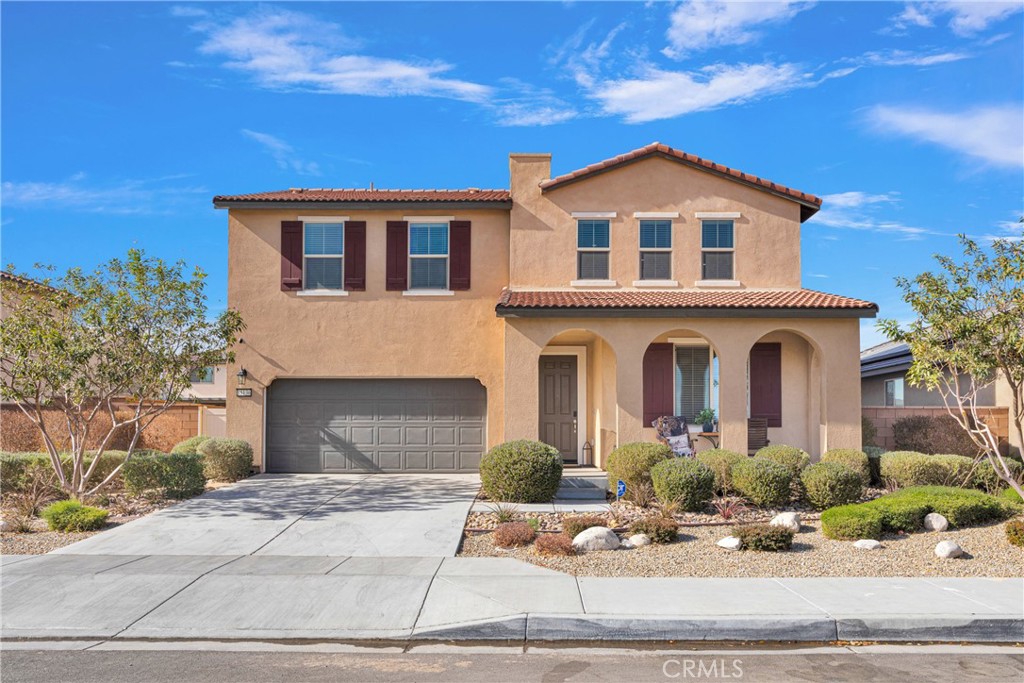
966,17
1012,231
865,211
994,134
190,11
530,106
282,152
702,24
905,58
155,195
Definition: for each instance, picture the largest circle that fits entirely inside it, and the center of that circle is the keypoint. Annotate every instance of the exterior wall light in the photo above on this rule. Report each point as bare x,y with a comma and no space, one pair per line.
242,374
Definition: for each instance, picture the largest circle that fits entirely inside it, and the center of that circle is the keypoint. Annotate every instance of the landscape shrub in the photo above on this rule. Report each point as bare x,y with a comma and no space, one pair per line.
633,462
868,431
788,456
70,515
554,544
190,445
828,484
931,435
13,469
226,459
577,524
1015,532
986,479
907,468
1011,496
684,481
534,523
958,470
764,537
521,471
762,482
874,454
853,459
513,535
720,461
659,529
851,523
176,475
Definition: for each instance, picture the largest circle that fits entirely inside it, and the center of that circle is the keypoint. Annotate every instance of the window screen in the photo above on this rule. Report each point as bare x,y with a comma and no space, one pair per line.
655,265
716,265
323,249
693,380
428,256
592,265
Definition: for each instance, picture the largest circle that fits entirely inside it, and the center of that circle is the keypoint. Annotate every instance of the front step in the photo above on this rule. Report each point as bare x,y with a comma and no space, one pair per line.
582,488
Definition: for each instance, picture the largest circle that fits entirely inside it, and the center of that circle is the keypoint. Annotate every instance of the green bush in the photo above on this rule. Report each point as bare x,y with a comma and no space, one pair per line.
957,470
721,461
177,475
986,479
577,524
70,515
762,482
828,484
226,459
633,462
868,432
907,468
684,481
190,445
764,537
930,435
521,471
853,459
14,468
659,529
874,454
1015,532
788,456
851,523
1012,496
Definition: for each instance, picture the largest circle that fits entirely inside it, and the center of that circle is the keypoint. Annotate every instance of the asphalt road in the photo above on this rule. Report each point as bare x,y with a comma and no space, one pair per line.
451,664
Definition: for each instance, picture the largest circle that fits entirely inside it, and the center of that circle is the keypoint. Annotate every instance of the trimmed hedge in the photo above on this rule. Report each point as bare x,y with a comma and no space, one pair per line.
14,466
762,482
908,468
905,511
190,445
931,435
764,537
828,484
226,459
176,475
521,471
70,515
721,462
633,462
986,479
853,459
1011,496
789,456
685,481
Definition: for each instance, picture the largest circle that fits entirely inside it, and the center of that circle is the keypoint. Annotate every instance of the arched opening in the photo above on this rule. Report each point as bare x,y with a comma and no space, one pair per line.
577,397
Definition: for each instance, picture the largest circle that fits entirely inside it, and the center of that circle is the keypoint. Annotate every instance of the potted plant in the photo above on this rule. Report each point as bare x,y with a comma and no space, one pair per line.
706,417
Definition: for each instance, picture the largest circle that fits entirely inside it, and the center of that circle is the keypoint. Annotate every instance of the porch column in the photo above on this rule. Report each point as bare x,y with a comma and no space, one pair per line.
841,389
522,395
732,397
629,396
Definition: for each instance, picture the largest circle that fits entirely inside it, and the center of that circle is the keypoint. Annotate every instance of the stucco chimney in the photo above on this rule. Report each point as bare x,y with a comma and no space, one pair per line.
526,172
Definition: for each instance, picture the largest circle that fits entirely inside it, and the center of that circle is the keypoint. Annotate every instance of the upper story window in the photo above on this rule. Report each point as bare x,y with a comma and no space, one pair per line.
717,250
428,256
894,392
323,255
656,249
201,376
592,247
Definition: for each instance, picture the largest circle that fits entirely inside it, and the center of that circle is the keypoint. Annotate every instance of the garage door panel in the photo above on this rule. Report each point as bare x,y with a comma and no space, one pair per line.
375,425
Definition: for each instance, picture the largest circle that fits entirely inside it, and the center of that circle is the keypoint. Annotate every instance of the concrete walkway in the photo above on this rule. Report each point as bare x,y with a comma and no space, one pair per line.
326,597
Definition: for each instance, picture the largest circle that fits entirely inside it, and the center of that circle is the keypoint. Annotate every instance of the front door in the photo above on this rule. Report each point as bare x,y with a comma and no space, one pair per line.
558,405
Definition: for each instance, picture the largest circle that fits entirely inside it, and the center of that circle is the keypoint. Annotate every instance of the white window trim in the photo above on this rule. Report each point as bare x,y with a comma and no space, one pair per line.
719,283
717,214
581,393
695,342
640,252
409,291
655,283
428,219
656,214
306,257
593,283
594,214
720,250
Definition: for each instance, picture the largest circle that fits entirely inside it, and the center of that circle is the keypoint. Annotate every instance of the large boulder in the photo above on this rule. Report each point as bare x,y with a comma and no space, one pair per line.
867,544
730,543
933,521
595,538
787,520
948,550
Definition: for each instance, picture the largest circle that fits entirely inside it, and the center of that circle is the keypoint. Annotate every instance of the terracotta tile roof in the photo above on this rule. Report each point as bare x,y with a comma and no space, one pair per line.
363,195
657,149
22,281
795,299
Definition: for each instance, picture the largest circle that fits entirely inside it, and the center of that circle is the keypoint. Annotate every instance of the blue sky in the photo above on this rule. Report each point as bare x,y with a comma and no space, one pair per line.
120,121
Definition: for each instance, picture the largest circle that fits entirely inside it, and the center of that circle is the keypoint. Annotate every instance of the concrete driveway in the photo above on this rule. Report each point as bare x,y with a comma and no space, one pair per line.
375,515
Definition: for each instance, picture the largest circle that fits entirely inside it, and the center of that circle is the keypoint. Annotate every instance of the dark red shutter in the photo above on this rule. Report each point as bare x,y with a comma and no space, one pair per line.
291,256
459,243
355,256
398,256
658,371
766,383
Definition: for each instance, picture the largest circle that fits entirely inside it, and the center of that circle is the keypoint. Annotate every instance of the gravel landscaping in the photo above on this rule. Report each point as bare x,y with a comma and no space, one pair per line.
695,554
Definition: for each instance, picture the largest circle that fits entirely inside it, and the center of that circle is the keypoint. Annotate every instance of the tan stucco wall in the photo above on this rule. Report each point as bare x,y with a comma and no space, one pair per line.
543,243
375,333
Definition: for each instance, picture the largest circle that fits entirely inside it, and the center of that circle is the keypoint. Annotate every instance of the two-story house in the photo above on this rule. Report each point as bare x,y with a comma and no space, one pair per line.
410,330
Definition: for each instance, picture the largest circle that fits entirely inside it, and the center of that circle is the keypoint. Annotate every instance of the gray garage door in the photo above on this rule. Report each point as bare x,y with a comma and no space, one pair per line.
375,425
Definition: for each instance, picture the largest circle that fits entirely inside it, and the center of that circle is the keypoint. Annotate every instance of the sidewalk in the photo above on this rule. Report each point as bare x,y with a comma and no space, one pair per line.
339,598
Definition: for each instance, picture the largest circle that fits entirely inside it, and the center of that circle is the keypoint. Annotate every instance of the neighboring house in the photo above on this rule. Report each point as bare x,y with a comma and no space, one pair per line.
410,330
209,389
887,395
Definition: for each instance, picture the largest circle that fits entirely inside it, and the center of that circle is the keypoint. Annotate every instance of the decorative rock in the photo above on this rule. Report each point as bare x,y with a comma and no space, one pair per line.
596,538
638,540
789,520
3,525
730,543
948,549
933,521
868,544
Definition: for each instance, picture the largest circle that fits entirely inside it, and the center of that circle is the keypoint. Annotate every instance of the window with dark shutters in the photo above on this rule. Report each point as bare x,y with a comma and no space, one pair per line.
355,256
459,255
657,378
766,382
397,266
291,256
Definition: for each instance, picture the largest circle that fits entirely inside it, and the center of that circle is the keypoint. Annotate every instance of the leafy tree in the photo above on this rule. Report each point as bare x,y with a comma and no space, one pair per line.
968,333
127,336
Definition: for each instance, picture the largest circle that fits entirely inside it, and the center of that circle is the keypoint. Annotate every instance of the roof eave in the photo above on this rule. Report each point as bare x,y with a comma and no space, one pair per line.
505,204
679,312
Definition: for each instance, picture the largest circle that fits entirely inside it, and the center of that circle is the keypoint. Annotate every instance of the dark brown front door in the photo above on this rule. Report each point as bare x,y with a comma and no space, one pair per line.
558,404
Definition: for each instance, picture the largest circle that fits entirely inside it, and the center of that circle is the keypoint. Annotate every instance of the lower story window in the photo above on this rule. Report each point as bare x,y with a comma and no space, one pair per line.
696,381
894,392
